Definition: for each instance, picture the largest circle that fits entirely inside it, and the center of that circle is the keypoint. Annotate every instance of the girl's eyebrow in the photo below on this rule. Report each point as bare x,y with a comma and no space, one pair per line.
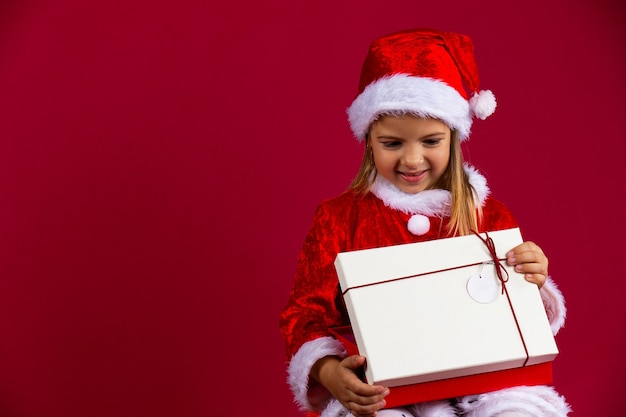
435,134
388,137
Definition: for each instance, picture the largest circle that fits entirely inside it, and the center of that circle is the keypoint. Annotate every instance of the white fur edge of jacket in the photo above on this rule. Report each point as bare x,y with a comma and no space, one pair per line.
317,397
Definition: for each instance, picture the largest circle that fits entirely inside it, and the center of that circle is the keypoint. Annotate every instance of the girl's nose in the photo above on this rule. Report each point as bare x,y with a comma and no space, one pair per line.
412,157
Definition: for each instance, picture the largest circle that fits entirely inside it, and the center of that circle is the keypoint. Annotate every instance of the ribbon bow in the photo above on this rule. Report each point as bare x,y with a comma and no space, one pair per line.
488,241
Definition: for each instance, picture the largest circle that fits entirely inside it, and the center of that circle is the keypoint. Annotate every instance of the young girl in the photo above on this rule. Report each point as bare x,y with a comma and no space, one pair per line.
412,112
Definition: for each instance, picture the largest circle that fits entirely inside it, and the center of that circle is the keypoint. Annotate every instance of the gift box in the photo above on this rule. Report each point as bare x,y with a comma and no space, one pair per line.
447,310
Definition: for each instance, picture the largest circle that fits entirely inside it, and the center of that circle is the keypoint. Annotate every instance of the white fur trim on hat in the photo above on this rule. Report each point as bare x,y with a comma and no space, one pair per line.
311,396
405,94
554,303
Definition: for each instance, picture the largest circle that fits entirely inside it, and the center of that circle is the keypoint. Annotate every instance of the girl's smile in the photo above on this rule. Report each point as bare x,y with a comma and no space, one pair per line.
412,177
410,152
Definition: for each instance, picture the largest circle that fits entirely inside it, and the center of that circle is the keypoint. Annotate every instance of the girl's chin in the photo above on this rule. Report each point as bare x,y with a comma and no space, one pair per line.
410,188
410,185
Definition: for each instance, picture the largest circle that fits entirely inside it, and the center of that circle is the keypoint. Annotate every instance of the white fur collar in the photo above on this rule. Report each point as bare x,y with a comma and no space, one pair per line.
428,202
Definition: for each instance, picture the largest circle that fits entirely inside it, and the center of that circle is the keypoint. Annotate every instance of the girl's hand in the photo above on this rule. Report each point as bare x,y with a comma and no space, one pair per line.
529,259
340,379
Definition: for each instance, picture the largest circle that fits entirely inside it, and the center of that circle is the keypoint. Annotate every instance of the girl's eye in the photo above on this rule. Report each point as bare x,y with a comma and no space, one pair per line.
391,144
432,142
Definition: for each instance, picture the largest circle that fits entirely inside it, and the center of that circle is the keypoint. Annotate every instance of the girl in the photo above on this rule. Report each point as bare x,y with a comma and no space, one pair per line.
412,112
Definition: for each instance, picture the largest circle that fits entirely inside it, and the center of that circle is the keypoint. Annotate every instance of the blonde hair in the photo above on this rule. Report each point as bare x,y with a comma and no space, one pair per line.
465,213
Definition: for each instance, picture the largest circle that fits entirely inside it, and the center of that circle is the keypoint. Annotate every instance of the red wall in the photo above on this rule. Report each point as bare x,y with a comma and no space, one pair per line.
160,163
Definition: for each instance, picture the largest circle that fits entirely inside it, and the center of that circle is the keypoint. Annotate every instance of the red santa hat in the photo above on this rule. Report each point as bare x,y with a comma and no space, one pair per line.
422,72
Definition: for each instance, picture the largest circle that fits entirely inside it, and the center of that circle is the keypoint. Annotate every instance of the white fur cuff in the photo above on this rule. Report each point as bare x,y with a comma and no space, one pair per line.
300,368
554,303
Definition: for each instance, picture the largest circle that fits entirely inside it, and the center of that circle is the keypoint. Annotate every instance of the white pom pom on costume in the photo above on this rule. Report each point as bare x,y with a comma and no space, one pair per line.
483,104
419,224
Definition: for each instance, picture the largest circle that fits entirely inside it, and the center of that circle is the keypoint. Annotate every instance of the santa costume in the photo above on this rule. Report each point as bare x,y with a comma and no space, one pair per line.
420,72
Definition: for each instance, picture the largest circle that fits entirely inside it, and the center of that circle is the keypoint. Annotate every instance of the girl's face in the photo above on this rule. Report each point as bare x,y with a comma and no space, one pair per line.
410,152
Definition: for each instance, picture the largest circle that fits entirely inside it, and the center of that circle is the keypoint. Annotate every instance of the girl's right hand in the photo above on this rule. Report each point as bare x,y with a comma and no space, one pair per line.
340,379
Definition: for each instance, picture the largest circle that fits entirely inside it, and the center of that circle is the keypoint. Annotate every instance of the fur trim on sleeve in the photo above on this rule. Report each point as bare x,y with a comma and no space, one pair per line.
554,302
335,409
311,397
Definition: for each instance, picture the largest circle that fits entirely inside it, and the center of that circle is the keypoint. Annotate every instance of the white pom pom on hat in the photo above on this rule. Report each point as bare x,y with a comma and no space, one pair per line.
483,104
422,72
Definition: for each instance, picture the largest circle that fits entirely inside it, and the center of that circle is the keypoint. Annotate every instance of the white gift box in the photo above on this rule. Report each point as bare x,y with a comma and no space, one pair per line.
435,310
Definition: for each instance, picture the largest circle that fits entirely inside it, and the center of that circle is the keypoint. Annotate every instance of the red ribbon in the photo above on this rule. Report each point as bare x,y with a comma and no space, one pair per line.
499,268
488,241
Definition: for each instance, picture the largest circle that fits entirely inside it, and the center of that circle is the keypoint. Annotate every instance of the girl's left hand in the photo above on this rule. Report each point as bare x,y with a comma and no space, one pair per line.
529,259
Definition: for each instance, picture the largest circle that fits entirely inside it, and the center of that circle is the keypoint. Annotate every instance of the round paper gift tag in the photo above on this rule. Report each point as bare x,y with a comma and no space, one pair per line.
483,288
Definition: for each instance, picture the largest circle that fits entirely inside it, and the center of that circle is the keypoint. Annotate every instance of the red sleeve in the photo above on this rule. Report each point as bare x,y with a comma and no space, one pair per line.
314,302
496,216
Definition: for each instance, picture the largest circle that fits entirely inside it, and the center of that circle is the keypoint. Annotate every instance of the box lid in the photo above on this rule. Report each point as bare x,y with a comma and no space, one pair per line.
370,266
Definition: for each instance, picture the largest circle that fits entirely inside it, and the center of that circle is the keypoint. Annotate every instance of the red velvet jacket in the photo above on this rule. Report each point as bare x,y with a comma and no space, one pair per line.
344,223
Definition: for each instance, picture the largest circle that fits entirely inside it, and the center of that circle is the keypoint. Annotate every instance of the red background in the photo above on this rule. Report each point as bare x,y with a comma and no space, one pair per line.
160,163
